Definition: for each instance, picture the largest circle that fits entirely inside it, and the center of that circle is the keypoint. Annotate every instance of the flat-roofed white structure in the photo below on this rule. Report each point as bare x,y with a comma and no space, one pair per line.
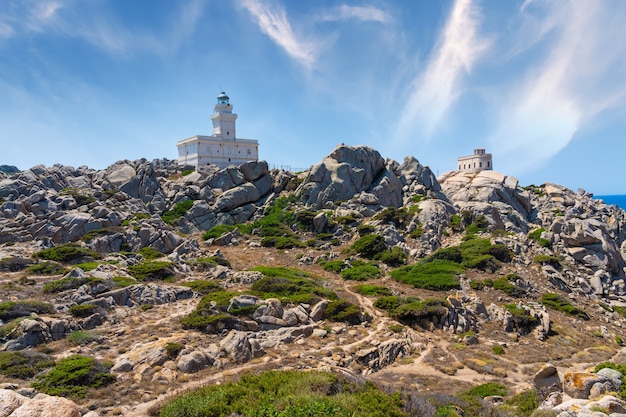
223,147
480,161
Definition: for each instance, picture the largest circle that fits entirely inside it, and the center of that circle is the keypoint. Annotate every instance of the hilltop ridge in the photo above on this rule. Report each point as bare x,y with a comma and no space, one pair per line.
361,265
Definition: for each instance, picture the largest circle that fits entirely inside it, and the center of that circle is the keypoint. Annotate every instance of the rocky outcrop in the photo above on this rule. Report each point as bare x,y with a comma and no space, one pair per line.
13,404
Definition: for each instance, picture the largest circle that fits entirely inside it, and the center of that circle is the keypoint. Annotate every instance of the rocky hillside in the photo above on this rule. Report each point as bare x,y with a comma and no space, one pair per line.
466,293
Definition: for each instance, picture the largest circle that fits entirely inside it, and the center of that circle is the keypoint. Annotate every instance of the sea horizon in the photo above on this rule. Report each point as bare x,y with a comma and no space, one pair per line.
617,199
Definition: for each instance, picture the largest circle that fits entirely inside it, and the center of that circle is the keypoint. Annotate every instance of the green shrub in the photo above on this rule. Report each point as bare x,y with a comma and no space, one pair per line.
372,290
186,172
369,246
83,337
415,312
456,223
66,252
83,310
287,394
203,286
522,319
217,231
548,259
526,402
87,266
556,302
68,283
393,257
335,265
173,349
503,284
498,350
342,311
487,390
150,253
365,229
178,211
10,310
152,270
24,364
535,235
396,328
72,376
438,275
124,281
361,272
289,285
47,268
388,303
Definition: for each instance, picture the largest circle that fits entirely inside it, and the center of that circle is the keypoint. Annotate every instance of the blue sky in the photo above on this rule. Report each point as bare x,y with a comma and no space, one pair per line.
540,83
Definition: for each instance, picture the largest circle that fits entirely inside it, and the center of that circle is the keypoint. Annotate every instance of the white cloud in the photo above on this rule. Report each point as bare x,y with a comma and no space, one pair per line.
459,47
580,76
272,21
363,13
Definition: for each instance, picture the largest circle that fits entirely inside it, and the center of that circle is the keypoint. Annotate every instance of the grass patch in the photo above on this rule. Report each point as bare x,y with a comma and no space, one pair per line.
370,246
420,312
372,290
217,231
522,319
178,211
10,310
287,393
526,402
73,376
66,252
24,364
152,271
556,302
150,253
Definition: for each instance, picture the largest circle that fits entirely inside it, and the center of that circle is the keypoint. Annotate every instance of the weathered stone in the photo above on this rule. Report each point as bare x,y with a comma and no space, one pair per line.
579,384
9,401
193,361
47,406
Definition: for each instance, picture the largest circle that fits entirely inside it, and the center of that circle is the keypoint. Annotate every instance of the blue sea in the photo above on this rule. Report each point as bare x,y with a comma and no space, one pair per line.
619,200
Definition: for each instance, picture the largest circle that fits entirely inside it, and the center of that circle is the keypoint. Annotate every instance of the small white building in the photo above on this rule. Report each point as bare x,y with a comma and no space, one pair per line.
223,147
480,161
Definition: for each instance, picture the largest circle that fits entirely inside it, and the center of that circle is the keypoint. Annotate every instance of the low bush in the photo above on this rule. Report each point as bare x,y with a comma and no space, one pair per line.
83,310
522,319
361,272
498,350
24,364
438,275
203,286
178,211
10,310
526,402
66,252
388,303
73,376
289,285
343,312
152,270
417,312
369,246
68,283
150,253
173,349
83,337
287,394
556,302
124,281
487,390
548,259
217,231
336,265
393,257
503,284
47,268
207,263
372,290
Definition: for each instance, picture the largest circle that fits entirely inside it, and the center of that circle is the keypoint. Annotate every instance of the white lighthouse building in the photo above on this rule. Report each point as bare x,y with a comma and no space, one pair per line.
480,161
223,147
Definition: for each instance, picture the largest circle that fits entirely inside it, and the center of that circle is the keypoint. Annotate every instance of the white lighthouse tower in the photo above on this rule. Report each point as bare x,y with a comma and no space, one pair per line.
223,147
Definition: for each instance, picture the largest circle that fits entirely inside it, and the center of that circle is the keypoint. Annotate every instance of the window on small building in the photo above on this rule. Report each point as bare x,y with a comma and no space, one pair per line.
480,164
488,164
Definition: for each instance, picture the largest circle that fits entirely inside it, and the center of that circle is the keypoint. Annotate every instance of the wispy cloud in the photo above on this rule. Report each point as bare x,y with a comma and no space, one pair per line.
362,13
273,21
580,76
437,87
97,25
